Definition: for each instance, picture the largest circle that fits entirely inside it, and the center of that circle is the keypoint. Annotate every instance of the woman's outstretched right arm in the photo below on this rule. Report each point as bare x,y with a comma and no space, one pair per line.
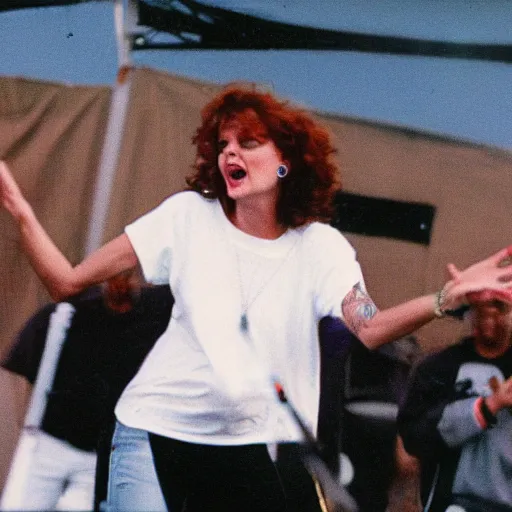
56,273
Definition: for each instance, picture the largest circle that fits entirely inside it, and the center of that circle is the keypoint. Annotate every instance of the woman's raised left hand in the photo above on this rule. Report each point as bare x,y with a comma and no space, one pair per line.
493,273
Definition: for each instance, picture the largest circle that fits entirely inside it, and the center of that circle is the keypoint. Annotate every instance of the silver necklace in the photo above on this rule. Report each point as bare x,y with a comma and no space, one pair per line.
246,302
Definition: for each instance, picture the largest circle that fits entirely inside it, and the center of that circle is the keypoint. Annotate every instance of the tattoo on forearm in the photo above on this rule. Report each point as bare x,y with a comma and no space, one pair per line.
357,308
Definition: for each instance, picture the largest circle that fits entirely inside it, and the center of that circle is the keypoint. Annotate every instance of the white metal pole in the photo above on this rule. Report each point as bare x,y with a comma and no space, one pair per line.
114,134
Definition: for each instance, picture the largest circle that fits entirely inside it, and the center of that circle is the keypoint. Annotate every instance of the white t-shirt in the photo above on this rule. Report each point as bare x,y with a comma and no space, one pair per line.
207,380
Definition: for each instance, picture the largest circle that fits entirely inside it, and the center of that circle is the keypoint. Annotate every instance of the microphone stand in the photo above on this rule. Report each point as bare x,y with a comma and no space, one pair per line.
337,497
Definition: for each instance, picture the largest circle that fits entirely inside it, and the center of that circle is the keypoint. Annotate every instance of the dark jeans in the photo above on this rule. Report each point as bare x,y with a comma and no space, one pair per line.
199,478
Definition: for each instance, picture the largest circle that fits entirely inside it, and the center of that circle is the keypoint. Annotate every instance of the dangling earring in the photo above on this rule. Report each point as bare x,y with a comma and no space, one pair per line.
282,171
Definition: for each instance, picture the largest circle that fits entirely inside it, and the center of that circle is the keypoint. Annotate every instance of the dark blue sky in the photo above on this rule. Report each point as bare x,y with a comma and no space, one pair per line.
455,97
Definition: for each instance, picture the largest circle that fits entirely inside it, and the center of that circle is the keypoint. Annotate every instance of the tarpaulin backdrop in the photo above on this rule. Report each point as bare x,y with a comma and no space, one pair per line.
52,136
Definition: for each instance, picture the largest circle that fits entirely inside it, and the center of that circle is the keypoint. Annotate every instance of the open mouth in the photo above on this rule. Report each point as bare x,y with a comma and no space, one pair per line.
238,174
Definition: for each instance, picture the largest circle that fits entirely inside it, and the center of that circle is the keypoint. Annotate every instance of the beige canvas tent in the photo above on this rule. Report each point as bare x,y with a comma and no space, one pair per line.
52,136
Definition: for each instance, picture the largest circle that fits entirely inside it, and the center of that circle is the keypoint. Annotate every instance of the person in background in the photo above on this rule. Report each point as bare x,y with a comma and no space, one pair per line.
253,266
457,415
111,332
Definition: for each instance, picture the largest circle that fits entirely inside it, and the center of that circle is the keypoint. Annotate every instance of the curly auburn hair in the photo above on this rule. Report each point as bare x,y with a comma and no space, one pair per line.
306,194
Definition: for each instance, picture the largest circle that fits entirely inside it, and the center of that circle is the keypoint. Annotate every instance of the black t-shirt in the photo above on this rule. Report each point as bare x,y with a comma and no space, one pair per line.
102,352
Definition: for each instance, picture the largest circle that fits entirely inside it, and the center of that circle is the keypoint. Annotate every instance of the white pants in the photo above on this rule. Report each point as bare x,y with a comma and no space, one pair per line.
60,477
